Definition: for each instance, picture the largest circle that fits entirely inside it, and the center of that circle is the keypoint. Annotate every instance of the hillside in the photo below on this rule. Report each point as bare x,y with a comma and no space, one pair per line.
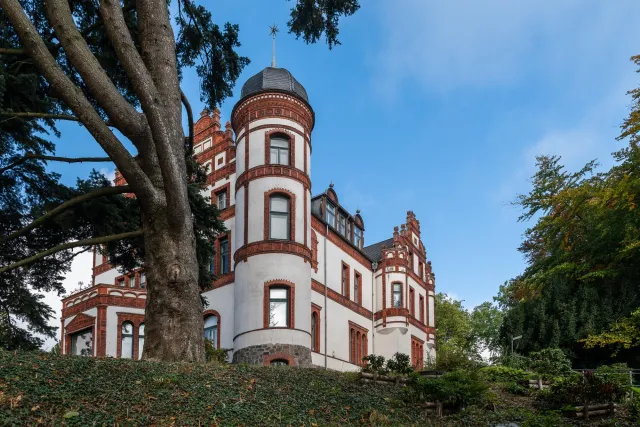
41,389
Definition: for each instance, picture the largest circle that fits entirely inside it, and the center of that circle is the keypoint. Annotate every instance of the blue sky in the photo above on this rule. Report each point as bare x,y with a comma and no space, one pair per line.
440,107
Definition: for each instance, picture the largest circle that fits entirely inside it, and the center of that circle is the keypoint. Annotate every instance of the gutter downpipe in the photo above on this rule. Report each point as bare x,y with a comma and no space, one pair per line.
374,266
326,285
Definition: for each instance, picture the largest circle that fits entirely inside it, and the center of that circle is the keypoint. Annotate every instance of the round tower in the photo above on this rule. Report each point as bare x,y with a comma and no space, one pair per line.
273,121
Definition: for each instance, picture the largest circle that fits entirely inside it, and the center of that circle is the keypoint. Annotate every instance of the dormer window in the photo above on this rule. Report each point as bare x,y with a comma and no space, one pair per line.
331,214
279,150
358,236
342,225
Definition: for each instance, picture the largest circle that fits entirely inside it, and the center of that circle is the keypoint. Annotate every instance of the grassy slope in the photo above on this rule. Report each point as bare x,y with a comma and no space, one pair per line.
40,389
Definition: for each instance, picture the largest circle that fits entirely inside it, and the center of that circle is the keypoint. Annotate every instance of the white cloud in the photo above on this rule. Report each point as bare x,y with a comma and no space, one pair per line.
443,45
109,173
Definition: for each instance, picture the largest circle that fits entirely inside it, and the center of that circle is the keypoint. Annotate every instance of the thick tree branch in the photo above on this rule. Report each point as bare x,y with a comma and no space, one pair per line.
73,96
9,51
70,245
129,121
164,126
99,192
32,156
187,107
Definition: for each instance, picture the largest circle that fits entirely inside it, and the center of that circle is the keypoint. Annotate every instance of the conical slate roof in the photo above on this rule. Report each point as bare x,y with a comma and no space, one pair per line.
278,79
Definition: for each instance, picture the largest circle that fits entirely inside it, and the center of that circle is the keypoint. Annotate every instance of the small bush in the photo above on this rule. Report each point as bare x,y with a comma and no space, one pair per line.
374,364
215,355
515,389
515,361
617,372
456,389
550,362
499,374
634,405
579,389
400,363
451,358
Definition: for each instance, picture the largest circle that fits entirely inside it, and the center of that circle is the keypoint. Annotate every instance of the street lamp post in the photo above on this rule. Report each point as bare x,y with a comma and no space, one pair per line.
514,339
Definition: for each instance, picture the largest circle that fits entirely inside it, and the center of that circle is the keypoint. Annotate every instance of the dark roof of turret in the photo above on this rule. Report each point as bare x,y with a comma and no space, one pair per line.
278,79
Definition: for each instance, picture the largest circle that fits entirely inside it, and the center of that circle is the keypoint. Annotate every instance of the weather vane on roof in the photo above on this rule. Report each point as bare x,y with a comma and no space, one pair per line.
273,30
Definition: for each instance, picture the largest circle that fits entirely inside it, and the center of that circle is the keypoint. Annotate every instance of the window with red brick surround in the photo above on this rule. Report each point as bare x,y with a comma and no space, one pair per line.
282,133
358,343
291,294
315,325
357,287
136,320
412,302
345,282
417,352
208,313
267,212
396,289
421,309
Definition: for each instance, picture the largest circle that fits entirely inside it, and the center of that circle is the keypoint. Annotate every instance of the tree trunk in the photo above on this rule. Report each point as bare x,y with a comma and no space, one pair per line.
173,315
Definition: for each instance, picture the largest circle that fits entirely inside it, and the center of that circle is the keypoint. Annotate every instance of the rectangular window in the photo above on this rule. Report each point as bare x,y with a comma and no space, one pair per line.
279,218
345,280
421,309
357,236
121,282
421,270
397,295
132,281
411,262
278,307
221,199
224,255
82,343
357,290
412,302
331,215
143,280
279,154
342,225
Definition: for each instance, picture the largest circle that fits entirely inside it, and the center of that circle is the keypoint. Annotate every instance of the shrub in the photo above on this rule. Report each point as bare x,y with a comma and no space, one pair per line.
583,389
450,358
400,363
634,405
215,355
498,374
515,361
515,389
456,389
618,373
374,364
550,362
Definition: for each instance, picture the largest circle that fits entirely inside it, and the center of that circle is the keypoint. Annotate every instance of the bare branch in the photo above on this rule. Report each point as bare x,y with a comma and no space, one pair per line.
70,245
99,192
187,107
32,156
129,121
73,96
9,51
29,114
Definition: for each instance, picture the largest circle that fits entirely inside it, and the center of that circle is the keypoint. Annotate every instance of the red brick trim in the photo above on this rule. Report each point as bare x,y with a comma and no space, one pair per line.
267,359
340,242
417,352
109,300
315,309
222,280
422,318
267,145
358,343
291,305
80,322
136,320
246,214
246,144
214,198
292,212
282,126
216,260
415,322
99,269
396,282
345,279
67,340
304,230
101,347
314,251
223,173
358,296
343,301
208,313
281,171
272,104
227,214
412,301
272,246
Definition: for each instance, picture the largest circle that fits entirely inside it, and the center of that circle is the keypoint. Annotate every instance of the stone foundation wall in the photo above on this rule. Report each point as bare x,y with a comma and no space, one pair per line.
296,355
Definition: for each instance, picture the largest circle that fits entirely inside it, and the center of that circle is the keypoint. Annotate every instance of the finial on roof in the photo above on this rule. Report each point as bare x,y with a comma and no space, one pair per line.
273,31
358,211
331,184
204,112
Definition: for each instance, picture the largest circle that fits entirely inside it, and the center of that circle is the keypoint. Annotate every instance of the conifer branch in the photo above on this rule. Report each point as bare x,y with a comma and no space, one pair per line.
70,245
99,192
32,156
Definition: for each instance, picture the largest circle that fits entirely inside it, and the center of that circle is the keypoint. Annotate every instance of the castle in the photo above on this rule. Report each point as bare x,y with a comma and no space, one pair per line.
295,282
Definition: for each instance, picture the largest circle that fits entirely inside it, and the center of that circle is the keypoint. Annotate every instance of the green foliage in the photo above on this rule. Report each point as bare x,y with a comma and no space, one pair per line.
618,373
215,355
486,320
515,361
456,389
374,364
310,18
624,334
583,389
400,364
498,374
550,362
516,389
633,405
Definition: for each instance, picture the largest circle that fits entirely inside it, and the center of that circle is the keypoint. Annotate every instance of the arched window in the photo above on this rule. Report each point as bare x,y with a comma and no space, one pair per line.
279,362
279,150
314,332
140,340
211,330
397,295
279,217
126,349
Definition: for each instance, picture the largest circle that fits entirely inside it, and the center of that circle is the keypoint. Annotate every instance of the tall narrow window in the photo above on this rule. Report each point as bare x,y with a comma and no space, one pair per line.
279,154
132,281
279,217
421,270
345,280
211,330
357,236
143,280
363,352
352,345
357,291
121,282
82,343
140,340
224,255
411,262
397,295
314,319
221,199
342,225
421,308
412,302
331,215
278,307
126,349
